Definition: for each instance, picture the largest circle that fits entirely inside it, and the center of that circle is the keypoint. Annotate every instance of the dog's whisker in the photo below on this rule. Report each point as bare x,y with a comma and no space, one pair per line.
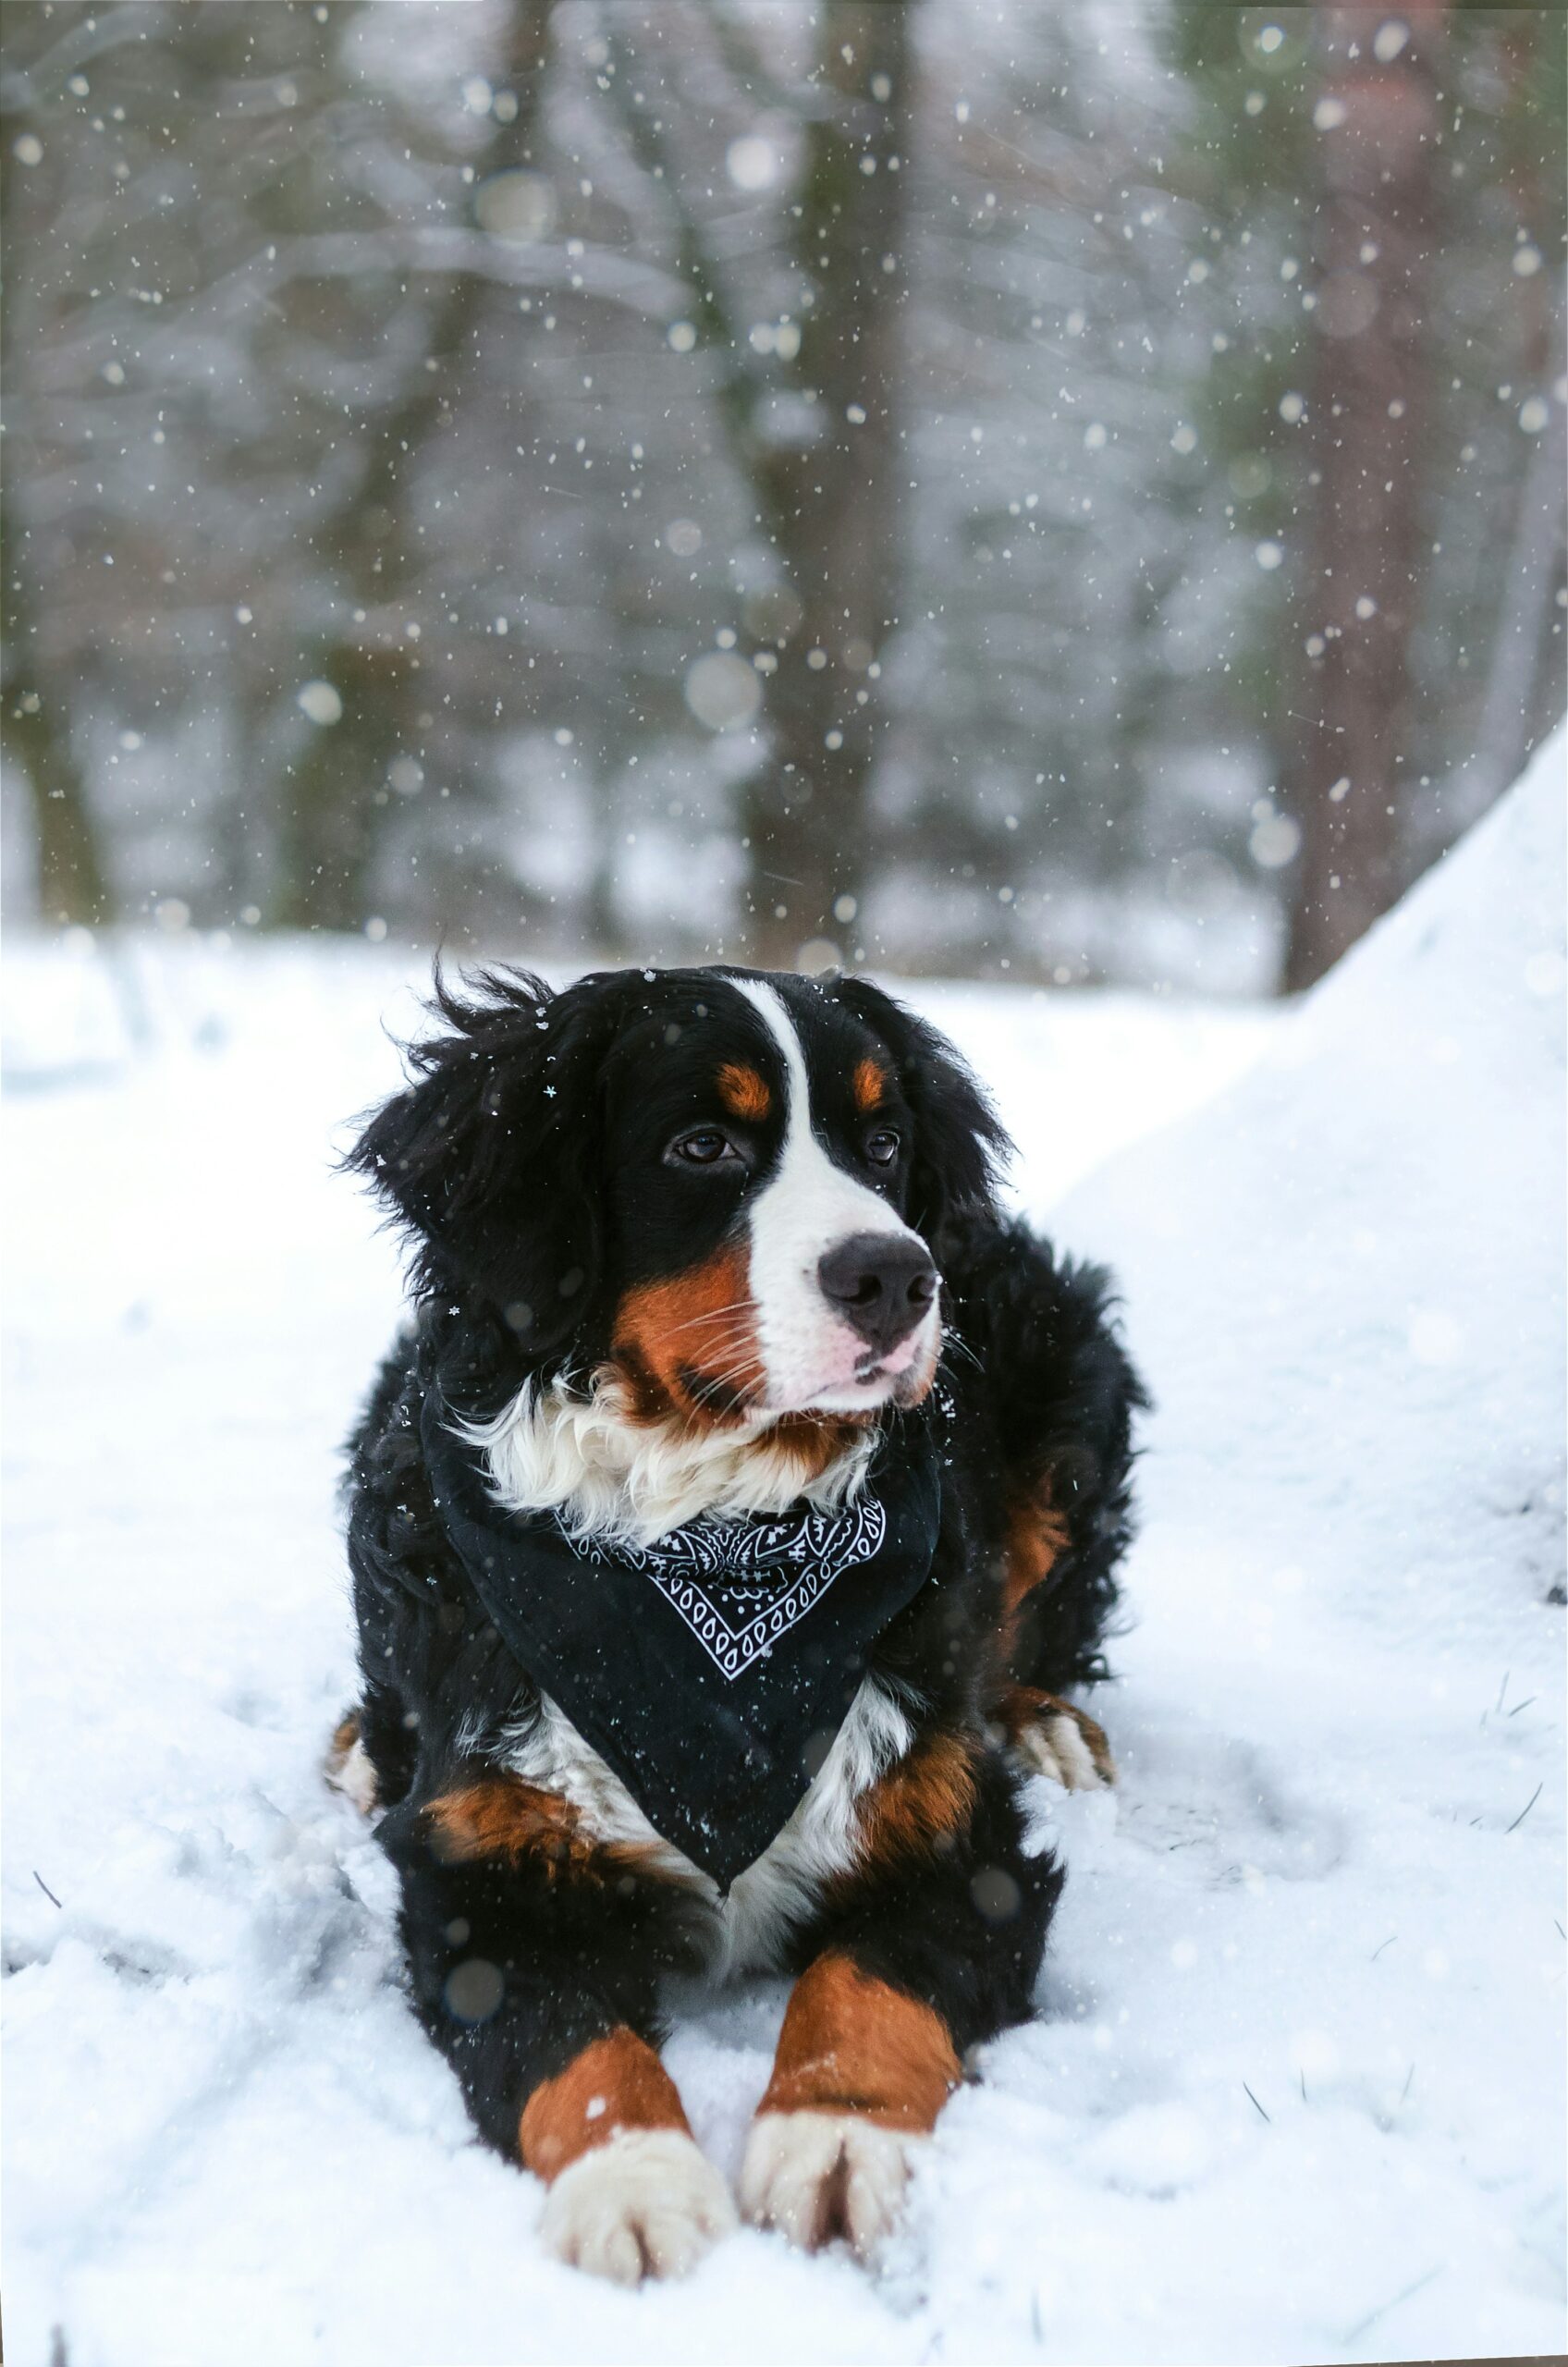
748,1362
727,1348
713,1389
734,1323
961,1348
712,1315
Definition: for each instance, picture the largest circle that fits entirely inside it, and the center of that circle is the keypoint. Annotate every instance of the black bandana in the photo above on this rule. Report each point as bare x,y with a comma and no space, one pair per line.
711,1669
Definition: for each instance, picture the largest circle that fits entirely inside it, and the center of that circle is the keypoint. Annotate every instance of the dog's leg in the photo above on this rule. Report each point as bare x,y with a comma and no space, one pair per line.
929,1948
862,2071
534,1956
1053,1395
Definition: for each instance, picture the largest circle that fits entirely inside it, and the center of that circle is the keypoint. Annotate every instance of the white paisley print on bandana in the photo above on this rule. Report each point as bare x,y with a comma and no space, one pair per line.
742,1585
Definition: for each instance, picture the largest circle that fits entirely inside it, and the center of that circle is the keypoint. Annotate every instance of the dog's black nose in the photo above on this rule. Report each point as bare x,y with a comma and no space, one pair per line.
881,1283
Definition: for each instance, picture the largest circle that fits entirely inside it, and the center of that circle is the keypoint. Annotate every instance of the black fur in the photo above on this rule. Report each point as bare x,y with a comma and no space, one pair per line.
513,1161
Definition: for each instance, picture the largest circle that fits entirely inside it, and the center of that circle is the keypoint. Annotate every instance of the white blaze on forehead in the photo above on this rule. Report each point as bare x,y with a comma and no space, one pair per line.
811,1203
807,1206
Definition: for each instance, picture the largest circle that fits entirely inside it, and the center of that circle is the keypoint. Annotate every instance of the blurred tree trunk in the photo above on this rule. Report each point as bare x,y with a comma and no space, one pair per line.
1523,660
824,474
832,504
370,548
1376,116
71,882
37,736
1514,711
35,731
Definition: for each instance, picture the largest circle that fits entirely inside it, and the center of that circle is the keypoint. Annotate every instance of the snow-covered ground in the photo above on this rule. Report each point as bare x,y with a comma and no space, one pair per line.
1297,2088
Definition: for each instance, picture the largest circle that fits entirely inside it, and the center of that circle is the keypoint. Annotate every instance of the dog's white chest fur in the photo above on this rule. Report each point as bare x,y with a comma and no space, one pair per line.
780,1888
601,1472
586,1458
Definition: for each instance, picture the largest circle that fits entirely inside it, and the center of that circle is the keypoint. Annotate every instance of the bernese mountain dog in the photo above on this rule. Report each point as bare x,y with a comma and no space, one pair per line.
729,1530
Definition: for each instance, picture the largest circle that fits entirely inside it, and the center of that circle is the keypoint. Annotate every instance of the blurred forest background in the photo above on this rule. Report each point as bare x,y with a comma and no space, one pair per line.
1074,491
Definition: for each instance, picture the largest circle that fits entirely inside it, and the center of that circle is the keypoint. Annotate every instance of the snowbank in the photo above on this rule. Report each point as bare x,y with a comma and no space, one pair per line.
1294,2093
1350,1267
1342,1724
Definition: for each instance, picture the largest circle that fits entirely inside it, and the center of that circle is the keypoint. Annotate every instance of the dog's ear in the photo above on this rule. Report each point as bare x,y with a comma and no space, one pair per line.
488,1158
960,1142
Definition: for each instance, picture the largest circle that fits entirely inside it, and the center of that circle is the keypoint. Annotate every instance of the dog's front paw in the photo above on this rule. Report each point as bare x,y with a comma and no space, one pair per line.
818,2175
1067,1745
646,2204
350,1768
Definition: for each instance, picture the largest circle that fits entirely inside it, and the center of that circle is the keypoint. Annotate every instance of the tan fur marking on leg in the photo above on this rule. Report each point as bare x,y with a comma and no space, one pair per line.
616,2082
500,1816
1036,1536
852,2043
928,1796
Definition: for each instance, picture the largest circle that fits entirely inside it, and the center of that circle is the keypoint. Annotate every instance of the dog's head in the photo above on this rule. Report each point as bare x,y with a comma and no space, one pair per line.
730,1186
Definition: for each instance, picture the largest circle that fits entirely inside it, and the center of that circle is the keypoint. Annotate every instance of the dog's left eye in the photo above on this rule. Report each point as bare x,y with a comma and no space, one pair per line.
705,1146
883,1147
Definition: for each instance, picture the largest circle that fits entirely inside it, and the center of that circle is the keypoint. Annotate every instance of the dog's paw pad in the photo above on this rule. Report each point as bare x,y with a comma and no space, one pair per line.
647,2204
817,2175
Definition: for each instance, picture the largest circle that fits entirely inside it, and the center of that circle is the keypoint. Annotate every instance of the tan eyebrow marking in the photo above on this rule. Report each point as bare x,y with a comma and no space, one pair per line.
743,1092
869,1085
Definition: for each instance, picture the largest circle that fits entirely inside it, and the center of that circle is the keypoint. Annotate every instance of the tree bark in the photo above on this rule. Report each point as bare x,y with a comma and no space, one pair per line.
1377,118
832,505
327,826
35,731
71,882
1511,713
826,492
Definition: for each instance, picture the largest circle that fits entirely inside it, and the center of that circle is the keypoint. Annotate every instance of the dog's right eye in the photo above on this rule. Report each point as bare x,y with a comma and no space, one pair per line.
705,1146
